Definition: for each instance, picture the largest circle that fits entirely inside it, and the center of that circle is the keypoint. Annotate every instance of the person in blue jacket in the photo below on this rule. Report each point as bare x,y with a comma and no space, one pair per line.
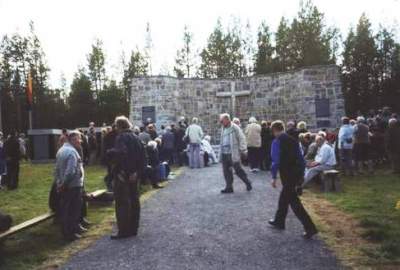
289,162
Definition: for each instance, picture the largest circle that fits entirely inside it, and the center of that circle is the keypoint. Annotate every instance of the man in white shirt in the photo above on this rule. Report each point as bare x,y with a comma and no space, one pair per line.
325,160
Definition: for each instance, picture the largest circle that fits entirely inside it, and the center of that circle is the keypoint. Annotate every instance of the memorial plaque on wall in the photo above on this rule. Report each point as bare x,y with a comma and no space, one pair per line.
323,124
322,107
148,112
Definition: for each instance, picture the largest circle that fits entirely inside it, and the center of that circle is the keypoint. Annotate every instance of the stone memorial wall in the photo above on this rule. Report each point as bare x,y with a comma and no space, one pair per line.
311,94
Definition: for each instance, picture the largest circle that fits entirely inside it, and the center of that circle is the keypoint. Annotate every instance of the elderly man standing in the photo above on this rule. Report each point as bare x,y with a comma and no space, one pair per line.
233,146
325,160
69,177
129,162
345,145
253,137
194,134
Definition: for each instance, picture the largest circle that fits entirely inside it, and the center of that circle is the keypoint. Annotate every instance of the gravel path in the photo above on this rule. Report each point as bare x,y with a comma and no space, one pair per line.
190,225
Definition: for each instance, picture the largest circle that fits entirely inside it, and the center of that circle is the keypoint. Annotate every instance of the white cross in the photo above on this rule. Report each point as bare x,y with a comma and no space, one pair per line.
233,94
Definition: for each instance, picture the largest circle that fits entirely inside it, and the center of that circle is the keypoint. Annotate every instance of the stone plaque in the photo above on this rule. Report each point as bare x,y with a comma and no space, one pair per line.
322,107
323,124
148,112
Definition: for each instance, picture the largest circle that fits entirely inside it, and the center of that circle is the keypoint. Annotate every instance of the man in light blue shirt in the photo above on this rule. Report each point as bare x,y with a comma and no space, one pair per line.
325,160
345,145
69,177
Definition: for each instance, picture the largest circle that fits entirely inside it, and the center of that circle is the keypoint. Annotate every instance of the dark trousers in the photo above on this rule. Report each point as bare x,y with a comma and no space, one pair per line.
71,210
227,165
265,156
288,197
108,177
12,177
254,157
127,206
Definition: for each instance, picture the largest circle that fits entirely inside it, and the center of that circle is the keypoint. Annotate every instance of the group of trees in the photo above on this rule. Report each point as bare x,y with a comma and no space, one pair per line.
370,65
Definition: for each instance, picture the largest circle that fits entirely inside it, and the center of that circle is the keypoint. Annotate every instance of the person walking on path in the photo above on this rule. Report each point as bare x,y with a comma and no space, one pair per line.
253,137
194,135
129,163
233,147
289,162
69,177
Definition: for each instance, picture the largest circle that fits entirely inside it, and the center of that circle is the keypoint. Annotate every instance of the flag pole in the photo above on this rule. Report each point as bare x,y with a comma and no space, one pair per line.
29,96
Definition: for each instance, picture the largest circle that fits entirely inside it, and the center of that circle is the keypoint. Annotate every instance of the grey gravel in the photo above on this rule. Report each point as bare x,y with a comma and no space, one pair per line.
190,225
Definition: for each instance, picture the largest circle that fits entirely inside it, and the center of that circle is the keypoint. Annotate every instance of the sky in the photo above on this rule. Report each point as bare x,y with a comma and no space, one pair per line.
67,28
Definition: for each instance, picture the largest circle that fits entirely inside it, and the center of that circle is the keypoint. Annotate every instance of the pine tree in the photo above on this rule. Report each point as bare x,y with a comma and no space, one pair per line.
96,66
184,61
264,56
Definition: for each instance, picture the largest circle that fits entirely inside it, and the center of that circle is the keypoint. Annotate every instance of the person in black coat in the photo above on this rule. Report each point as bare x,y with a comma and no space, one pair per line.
266,141
288,160
128,157
180,144
13,155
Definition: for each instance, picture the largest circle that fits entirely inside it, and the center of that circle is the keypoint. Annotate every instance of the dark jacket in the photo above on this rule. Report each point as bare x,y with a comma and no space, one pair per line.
11,149
392,139
128,154
179,142
266,137
168,140
153,156
287,159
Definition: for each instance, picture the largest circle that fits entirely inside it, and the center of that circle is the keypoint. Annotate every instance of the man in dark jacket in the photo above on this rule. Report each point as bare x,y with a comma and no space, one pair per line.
180,144
266,140
13,155
129,163
289,162
168,145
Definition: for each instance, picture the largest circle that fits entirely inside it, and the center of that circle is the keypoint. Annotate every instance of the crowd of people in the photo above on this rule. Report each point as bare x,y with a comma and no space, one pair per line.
12,150
136,155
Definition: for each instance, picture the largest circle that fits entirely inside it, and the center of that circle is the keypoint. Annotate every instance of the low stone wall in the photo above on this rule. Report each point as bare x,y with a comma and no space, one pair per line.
311,94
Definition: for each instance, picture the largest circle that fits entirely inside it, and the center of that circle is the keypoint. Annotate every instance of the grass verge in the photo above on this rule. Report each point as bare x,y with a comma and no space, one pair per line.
42,247
361,224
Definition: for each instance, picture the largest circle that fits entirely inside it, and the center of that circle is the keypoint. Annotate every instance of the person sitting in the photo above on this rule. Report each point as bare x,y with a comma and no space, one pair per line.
207,148
325,160
312,149
154,164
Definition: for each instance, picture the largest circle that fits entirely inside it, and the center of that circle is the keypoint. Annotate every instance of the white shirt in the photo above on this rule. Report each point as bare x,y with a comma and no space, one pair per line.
326,155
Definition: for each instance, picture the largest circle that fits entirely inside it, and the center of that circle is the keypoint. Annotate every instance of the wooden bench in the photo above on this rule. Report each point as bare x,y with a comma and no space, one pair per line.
330,181
39,219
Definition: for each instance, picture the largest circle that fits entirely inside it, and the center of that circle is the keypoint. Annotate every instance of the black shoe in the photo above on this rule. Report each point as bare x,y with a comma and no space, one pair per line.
276,225
121,236
309,234
85,223
73,237
249,187
227,190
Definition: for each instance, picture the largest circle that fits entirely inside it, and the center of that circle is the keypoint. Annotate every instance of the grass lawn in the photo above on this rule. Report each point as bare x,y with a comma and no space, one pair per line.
372,199
29,249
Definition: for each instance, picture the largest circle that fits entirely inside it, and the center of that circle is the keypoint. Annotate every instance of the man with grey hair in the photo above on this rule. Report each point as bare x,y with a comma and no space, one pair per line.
69,177
392,143
233,147
194,135
128,160
325,160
